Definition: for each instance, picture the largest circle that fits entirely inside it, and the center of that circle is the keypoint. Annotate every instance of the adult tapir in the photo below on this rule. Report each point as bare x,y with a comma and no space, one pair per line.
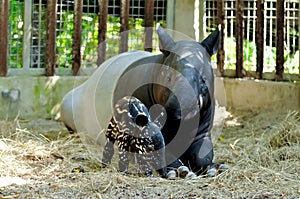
178,82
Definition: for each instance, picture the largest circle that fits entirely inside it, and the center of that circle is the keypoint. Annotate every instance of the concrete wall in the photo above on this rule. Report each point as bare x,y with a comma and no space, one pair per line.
261,95
187,17
40,97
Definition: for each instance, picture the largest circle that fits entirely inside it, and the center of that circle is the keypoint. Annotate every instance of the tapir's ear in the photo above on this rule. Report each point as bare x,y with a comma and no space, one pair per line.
165,40
211,43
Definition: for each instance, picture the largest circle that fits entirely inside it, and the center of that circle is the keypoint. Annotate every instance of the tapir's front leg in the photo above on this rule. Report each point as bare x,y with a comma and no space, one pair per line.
123,143
108,152
142,148
111,136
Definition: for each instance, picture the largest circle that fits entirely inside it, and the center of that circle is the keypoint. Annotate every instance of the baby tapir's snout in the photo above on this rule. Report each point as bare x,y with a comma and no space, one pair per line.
138,112
141,119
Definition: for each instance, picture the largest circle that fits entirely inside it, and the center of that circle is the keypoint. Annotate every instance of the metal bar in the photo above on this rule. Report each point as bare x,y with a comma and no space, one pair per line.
299,33
40,41
50,55
202,19
124,25
170,14
102,16
76,45
27,34
196,19
221,51
4,11
148,26
260,39
280,39
239,38
232,16
265,31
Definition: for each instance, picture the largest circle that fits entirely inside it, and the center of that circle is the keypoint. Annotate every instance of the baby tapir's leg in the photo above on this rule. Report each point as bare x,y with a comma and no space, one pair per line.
111,136
142,148
143,160
108,152
123,143
123,159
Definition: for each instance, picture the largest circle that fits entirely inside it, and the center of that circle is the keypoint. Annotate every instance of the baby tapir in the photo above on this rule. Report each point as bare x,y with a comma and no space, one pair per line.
137,136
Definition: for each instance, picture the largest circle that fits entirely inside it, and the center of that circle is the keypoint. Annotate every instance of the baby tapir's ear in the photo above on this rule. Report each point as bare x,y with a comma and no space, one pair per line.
165,40
211,43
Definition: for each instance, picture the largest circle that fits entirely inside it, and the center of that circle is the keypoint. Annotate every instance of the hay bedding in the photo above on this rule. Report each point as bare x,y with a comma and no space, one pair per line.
41,160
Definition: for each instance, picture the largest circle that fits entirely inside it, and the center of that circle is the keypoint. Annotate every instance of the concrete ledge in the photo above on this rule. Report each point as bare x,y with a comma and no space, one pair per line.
262,95
40,97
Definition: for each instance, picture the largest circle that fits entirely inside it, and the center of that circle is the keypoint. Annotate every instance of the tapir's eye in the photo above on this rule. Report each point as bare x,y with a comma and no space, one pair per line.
168,78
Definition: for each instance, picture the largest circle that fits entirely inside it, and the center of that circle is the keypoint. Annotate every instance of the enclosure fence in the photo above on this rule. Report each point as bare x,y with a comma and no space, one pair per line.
64,36
259,34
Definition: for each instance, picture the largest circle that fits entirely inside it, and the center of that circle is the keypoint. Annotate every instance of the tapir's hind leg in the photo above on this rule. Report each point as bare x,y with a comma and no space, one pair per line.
199,156
143,160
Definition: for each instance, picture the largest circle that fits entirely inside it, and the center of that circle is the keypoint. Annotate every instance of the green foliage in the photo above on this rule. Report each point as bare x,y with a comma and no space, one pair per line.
89,39
16,11
64,41
113,36
291,60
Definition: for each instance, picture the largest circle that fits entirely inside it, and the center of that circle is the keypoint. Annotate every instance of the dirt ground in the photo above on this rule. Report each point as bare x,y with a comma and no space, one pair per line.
40,159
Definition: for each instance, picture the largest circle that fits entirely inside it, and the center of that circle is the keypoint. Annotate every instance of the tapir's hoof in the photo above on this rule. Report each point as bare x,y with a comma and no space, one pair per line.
180,172
216,169
191,175
171,175
223,167
212,172
183,171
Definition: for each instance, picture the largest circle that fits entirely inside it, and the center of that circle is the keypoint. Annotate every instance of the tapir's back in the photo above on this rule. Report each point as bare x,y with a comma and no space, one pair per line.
87,109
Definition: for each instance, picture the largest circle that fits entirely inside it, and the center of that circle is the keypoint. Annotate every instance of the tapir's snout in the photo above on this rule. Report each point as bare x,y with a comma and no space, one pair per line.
141,119
139,113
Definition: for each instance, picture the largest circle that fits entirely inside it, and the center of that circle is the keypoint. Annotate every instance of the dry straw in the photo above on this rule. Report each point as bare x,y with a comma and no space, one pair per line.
262,149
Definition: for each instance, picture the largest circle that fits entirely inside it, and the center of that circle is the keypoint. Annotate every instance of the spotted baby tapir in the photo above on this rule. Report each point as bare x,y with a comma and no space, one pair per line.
135,135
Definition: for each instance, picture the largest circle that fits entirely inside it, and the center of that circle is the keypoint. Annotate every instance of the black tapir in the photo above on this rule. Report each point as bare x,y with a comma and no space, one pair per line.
180,80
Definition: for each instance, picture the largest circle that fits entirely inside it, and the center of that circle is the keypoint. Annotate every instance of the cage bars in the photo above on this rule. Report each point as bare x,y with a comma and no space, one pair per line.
102,17
27,34
50,38
4,7
124,18
290,46
221,51
280,25
148,25
259,36
239,37
76,45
